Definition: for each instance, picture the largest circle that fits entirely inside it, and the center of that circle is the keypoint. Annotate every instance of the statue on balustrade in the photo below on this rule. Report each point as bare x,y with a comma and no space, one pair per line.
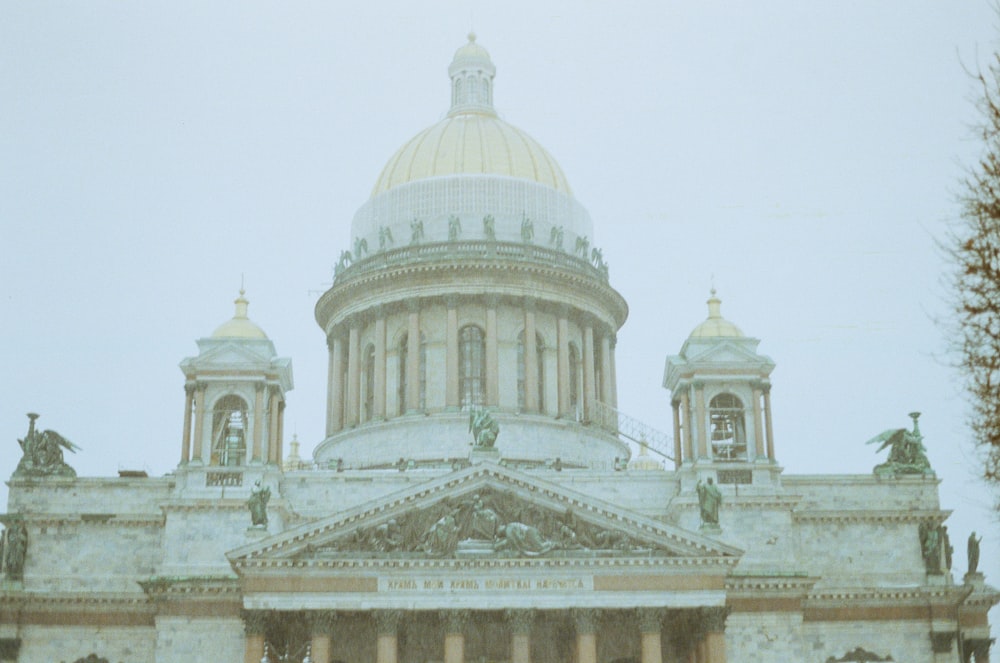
43,453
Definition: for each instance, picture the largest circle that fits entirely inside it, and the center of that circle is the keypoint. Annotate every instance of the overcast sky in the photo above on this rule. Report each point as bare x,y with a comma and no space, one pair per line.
804,155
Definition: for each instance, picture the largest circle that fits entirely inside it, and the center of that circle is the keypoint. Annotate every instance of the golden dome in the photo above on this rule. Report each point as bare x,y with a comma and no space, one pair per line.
716,326
467,144
240,325
472,140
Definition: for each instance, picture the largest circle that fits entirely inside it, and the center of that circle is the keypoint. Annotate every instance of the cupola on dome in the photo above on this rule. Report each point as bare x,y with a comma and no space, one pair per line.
240,326
471,139
716,326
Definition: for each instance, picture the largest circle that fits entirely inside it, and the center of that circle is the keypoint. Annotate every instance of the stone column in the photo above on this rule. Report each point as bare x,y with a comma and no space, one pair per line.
254,622
686,429
492,352
520,622
352,413
614,371
199,424
562,361
272,438
713,622
606,390
387,629
699,413
589,392
413,358
258,422
650,625
380,365
321,630
758,428
767,419
530,358
335,386
186,434
585,620
279,442
454,635
451,396
678,454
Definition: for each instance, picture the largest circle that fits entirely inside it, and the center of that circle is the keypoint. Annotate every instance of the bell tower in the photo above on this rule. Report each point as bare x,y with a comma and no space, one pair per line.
720,393
235,397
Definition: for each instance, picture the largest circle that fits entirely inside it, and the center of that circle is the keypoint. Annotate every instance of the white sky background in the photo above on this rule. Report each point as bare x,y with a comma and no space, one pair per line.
805,154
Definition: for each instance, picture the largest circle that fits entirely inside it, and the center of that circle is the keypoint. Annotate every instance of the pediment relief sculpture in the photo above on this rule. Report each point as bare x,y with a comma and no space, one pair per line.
491,523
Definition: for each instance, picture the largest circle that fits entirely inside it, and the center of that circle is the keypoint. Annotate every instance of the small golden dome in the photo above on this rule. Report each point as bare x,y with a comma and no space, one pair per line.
716,326
240,325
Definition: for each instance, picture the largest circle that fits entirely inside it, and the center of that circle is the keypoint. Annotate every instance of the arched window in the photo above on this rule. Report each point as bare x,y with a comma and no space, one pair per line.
404,378
728,427
521,367
574,380
471,366
369,383
230,424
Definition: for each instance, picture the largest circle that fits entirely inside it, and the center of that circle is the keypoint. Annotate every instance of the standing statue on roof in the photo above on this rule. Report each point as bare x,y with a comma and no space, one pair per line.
907,454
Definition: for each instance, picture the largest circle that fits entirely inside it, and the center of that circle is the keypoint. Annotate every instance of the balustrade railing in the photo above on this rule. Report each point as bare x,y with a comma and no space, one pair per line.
621,424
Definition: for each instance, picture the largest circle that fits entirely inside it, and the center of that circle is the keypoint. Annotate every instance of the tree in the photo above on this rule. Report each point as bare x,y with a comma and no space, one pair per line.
973,245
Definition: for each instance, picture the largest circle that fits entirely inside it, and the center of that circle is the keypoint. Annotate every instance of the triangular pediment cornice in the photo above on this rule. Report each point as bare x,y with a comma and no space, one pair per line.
598,525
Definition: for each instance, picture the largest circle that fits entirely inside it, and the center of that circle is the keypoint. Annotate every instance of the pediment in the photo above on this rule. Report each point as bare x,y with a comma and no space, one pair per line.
484,511
724,352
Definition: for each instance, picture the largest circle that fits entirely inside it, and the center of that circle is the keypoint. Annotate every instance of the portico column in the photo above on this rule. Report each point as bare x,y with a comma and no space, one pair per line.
254,622
585,620
520,622
699,413
454,635
589,393
714,624
676,406
767,419
379,386
530,358
199,423
686,429
258,421
321,625
335,386
387,642
186,434
492,349
279,442
650,625
562,361
758,428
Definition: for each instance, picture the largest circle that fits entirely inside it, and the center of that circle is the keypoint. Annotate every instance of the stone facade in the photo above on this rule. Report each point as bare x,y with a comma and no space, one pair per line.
400,542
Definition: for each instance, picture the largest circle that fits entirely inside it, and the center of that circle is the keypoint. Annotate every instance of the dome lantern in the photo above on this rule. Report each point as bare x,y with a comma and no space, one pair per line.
472,73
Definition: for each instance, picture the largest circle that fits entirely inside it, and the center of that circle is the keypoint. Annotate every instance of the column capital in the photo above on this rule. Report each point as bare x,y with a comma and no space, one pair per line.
254,621
585,619
259,386
451,301
321,622
650,619
413,305
713,620
529,303
941,642
562,310
520,620
189,388
454,621
492,300
200,385
387,621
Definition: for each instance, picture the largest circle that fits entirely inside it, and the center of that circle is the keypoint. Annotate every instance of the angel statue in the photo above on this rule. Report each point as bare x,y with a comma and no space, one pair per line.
907,454
43,453
483,427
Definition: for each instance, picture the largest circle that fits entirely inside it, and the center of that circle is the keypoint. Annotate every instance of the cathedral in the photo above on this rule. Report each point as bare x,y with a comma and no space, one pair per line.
478,496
